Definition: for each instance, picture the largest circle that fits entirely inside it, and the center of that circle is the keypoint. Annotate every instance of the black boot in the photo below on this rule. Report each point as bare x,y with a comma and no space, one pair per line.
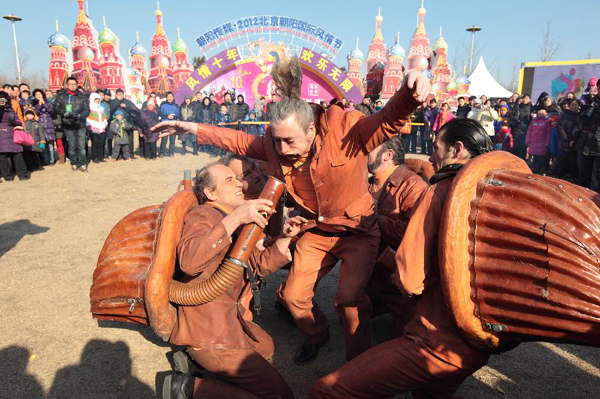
178,386
183,363
308,351
284,311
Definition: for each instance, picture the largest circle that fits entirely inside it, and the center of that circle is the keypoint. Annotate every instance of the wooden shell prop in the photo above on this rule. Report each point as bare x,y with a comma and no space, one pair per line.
520,255
133,281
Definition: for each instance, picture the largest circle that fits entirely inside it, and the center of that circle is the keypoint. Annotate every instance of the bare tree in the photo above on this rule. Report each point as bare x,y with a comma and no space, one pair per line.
551,44
197,61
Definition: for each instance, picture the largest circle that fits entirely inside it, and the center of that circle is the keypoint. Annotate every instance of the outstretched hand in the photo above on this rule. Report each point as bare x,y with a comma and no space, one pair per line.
167,128
419,84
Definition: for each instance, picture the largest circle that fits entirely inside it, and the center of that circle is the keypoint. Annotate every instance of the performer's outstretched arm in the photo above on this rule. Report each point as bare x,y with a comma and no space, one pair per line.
228,139
373,130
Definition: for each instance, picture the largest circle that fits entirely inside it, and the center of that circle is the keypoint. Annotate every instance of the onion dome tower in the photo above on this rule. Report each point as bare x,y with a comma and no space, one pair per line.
419,52
111,65
440,68
463,83
137,60
85,53
355,61
394,70
376,59
161,60
181,67
59,64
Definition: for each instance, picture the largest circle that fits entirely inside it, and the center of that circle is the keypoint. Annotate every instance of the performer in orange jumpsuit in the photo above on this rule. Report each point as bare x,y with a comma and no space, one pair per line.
219,335
321,156
431,358
396,190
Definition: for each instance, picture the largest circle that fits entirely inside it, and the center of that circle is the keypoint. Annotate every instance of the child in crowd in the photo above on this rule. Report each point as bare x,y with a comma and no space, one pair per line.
96,123
121,129
503,140
221,119
538,141
555,147
255,130
33,155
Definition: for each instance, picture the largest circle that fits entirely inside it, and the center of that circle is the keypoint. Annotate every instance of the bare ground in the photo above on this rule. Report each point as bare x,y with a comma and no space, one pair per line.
51,231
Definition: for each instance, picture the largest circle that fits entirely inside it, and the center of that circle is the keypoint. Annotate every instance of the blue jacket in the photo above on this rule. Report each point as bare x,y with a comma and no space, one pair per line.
167,109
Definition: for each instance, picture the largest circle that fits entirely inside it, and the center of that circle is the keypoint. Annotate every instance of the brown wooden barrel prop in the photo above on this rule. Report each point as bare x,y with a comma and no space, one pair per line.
520,255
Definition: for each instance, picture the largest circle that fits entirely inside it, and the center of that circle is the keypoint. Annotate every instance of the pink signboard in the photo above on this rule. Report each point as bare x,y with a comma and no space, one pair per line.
322,80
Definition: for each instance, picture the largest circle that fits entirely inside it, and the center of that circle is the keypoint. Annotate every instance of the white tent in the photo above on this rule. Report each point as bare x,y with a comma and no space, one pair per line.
482,82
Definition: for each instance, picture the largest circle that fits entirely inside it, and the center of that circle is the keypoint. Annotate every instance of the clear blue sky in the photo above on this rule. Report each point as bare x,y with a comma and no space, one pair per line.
512,29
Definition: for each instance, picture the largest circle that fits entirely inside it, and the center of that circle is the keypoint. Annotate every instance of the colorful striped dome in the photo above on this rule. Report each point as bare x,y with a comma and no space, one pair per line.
58,39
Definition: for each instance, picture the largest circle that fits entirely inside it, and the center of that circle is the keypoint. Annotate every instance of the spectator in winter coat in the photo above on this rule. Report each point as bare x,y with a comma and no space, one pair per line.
44,110
203,113
270,106
96,124
567,129
503,140
365,107
26,102
503,114
429,117
416,118
588,141
520,118
72,106
33,154
486,118
168,111
187,114
222,117
228,101
148,119
10,152
214,106
239,110
463,108
443,117
121,129
538,141
258,111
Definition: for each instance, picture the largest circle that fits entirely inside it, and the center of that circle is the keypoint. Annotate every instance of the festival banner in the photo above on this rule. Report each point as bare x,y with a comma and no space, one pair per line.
559,78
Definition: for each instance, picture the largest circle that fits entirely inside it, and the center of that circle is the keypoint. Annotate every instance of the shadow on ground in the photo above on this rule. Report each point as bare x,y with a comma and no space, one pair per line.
12,232
104,371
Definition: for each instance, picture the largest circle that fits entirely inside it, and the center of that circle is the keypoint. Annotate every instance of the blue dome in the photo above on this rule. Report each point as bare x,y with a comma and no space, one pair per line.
397,50
138,49
133,72
356,54
58,39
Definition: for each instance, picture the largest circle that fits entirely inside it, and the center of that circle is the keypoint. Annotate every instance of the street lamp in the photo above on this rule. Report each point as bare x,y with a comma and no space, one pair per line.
13,18
473,29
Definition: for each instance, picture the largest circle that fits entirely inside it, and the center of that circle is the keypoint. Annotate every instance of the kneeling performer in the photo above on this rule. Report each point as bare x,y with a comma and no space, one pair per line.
218,337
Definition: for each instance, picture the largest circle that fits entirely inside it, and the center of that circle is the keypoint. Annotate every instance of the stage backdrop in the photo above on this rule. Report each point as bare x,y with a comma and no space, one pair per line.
557,78
322,79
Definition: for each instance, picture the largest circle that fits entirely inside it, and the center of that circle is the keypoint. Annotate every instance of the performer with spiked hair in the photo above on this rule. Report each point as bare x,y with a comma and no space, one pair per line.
321,155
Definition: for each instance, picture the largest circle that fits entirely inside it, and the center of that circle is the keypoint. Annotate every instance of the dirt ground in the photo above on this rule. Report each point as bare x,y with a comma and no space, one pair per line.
52,228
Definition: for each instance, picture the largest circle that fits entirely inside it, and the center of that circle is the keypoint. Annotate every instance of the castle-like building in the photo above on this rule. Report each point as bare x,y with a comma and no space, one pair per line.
94,60
385,68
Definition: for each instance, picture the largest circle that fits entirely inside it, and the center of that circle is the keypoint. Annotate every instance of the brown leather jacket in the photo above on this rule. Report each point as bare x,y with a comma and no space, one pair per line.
398,197
418,275
339,164
218,324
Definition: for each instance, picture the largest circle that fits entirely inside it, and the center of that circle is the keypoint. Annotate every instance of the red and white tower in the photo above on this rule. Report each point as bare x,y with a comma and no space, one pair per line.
376,59
85,53
394,70
181,67
355,61
419,52
111,65
440,68
161,60
59,66
137,61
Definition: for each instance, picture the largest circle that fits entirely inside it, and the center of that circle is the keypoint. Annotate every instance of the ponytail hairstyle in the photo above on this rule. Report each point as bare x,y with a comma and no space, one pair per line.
287,76
470,133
